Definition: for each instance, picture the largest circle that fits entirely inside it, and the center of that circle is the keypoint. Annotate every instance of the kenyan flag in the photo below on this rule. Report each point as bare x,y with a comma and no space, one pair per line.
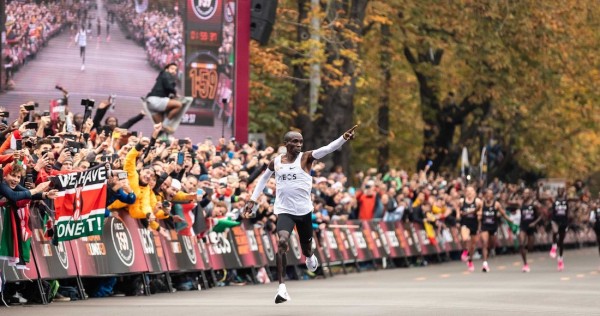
80,203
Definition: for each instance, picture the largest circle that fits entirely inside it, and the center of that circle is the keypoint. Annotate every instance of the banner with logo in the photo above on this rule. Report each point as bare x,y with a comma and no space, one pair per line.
185,253
449,239
81,203
344,241
330,247
428,246
53,262
222,251
406,242
392,240
376,241
118,250
265,246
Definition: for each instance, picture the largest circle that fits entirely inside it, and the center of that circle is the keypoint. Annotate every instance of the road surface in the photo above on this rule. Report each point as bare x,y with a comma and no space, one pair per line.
113,66
438,289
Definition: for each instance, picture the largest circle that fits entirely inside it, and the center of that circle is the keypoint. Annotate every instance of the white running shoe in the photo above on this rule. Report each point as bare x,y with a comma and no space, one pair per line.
82,67
312,263
282,295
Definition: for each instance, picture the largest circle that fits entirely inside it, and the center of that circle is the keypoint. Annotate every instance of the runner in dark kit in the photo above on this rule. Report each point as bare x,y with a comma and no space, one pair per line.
560,223
469,216
492,209
293,204
529,219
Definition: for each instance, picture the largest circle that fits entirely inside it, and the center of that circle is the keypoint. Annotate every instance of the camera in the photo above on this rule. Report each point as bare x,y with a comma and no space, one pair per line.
4,114
88,103
29,107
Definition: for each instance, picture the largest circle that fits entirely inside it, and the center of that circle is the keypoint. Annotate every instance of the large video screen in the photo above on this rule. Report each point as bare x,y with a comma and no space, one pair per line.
102,48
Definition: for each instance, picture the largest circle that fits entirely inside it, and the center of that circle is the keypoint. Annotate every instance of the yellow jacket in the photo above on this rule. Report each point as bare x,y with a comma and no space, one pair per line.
143,204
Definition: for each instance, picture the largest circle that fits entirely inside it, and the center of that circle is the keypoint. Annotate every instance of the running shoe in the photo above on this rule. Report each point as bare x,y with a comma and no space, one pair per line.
282,295
464,256
312,263
486,267
470,266
526,268
561,264
553,251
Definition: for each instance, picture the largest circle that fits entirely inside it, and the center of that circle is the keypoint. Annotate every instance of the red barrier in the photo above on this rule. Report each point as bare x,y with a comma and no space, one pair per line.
127,247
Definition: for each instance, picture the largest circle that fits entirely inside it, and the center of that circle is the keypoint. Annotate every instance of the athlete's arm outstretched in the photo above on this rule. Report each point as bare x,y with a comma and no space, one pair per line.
260,186
333,146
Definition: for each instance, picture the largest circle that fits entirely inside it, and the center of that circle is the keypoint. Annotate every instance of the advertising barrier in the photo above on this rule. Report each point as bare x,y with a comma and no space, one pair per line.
127,247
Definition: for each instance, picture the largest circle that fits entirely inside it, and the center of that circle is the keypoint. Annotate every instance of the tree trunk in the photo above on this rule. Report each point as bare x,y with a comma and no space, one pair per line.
383,119
338,102
301,102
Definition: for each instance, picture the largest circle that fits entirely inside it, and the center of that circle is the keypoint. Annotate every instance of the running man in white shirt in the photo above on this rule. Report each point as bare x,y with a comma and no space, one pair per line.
81,40
293,205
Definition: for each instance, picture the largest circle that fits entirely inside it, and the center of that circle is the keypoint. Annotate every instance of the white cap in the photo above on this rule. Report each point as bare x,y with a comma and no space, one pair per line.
175,184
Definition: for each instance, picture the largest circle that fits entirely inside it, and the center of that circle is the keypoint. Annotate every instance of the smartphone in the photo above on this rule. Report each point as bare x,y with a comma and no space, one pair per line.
29,107
4,114
182,142
29,178
180,158
46,113
31,125
70,137
19,144
122,175
54,139
200,192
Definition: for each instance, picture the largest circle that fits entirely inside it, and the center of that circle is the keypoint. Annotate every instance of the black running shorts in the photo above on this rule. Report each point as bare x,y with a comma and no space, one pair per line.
303,224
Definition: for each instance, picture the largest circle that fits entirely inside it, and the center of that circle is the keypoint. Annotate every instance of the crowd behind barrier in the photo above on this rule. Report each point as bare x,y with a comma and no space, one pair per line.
174,205
160,33
29,27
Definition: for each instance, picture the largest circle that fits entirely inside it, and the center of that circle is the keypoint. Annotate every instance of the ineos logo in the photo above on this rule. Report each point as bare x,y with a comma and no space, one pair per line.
63,257
219,243
189,248
122,241
205,9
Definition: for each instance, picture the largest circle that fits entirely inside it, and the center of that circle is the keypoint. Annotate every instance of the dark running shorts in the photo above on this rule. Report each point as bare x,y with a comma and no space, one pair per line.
471,224
303,225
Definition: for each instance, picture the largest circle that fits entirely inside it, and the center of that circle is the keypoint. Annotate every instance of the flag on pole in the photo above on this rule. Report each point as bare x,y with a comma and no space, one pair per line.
464,162
80,203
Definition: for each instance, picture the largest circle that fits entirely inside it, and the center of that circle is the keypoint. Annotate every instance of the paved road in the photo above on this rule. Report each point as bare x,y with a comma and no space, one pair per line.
434,290
117,65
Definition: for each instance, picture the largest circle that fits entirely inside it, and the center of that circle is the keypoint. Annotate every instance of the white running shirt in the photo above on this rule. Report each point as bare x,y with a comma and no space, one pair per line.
293,188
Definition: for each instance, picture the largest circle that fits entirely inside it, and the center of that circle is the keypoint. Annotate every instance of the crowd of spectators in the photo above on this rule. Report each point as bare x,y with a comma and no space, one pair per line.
160,32
29,26
194,186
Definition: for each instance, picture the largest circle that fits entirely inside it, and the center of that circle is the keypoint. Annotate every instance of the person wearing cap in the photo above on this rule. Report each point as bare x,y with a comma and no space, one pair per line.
293,203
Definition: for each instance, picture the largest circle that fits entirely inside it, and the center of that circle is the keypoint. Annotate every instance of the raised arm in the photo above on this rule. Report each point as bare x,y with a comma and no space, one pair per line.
333,146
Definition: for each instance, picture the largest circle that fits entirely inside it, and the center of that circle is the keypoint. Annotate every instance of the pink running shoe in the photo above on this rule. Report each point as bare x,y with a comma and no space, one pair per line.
526,268
470,266
553,252
465,255
561,264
